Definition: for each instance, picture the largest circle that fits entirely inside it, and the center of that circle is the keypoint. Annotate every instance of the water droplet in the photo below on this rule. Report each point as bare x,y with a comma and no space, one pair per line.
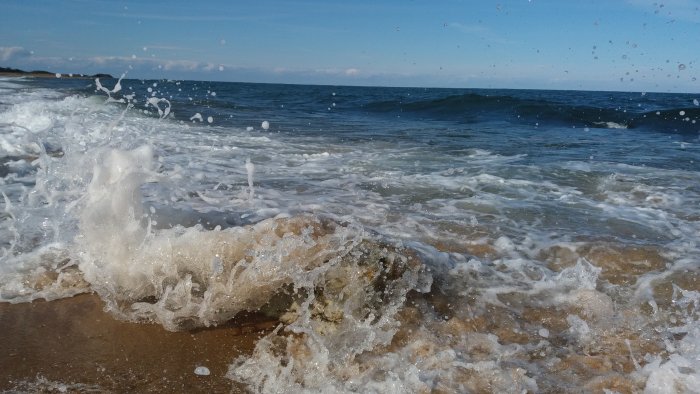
202,371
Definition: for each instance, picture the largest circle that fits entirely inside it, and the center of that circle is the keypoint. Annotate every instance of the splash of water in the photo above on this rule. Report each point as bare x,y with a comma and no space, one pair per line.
250,169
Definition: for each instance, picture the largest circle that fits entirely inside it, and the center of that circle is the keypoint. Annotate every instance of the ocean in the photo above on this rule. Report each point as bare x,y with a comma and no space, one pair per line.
389,239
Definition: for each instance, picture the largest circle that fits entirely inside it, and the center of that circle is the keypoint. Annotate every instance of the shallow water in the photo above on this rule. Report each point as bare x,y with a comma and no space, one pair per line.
405,239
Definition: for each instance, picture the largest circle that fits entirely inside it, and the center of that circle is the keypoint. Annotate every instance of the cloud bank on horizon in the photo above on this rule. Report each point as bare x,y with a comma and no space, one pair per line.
635,45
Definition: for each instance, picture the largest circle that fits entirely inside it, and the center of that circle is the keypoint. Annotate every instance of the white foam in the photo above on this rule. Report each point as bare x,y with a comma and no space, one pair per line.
109,201
315,156
611,125
680,371
126,262
43,385
250,169
579,328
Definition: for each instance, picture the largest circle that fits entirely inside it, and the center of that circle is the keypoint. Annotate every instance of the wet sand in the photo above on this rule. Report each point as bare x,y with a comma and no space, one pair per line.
72,345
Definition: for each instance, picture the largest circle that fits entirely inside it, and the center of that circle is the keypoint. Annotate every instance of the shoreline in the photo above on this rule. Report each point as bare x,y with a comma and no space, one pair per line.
73,342
15,73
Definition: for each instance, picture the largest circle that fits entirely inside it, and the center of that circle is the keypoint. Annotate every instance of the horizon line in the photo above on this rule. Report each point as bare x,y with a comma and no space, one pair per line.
47,74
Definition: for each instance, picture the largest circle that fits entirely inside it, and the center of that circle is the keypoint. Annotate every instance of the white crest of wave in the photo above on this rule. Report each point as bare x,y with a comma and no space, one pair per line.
611,125
336,288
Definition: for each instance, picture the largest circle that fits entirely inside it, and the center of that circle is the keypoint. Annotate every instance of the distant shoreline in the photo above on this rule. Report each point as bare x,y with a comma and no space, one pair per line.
13,72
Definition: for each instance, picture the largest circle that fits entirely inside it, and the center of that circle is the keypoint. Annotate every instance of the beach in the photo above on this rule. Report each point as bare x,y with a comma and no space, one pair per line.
72,345
311,238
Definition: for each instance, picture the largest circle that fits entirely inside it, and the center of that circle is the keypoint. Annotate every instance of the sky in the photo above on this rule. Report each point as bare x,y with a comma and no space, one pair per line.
624,45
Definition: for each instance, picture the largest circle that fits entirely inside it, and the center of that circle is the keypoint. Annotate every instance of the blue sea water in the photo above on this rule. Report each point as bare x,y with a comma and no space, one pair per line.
567,220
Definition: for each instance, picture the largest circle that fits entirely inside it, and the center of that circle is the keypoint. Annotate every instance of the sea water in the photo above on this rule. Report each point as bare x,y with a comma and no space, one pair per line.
407,240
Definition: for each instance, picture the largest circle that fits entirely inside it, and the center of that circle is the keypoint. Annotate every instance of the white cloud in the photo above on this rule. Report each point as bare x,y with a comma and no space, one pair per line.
182,65
211,66
348,72
9,53
165,64
167,47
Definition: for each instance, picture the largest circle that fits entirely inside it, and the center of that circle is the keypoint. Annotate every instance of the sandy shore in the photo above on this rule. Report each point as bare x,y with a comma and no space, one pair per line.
75,343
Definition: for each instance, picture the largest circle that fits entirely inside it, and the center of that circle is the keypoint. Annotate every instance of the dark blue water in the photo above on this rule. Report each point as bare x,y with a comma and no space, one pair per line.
647,129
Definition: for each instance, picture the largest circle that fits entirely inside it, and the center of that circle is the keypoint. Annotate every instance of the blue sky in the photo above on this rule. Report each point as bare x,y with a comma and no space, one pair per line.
629,45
